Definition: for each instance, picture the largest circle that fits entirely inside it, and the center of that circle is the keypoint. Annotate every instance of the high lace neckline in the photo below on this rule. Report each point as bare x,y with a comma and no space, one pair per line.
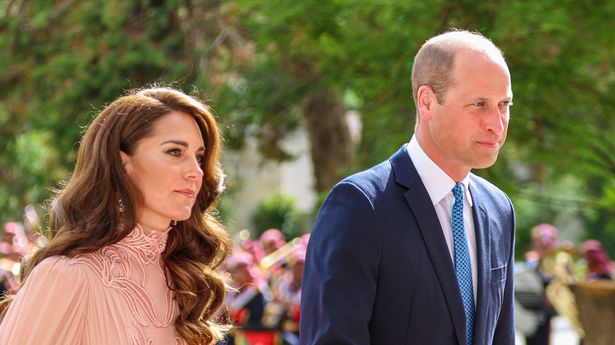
134,269
147,242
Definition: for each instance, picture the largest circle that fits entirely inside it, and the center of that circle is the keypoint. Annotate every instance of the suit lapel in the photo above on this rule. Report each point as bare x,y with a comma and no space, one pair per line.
429,225
481,228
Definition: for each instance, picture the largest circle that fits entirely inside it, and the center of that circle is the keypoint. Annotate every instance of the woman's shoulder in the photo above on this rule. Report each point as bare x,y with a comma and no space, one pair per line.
58,276
57,262
50,306
61,269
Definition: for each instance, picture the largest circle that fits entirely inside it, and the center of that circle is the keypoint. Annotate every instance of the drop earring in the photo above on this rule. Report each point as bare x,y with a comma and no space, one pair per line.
120,206
173,223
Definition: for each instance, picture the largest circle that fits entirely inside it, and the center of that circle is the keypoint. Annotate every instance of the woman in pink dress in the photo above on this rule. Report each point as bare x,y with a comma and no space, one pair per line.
134,248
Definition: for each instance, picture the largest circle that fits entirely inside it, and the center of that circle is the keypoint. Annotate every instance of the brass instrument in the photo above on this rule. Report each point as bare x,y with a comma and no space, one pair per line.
280,254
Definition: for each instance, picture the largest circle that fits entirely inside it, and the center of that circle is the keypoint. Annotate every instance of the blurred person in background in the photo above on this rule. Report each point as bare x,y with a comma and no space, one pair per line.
599,265
530,287
251,247
272,243
554,265
245,303
11,253
133,246
288,295
14,242
9,259
271,240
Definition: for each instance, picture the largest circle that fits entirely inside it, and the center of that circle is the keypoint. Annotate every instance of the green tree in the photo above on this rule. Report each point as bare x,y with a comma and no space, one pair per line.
279,212
561,58
62,61
271,66
288,83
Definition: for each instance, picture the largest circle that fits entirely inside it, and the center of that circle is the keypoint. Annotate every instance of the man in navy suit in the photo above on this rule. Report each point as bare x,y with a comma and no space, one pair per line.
390,261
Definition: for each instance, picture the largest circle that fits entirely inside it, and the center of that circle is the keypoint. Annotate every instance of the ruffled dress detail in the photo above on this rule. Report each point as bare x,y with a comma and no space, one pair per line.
116,295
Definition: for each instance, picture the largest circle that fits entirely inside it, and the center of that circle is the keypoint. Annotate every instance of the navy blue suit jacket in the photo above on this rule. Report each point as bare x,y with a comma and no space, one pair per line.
378,270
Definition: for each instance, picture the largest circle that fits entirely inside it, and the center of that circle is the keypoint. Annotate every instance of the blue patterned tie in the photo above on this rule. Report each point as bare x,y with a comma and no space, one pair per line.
463,267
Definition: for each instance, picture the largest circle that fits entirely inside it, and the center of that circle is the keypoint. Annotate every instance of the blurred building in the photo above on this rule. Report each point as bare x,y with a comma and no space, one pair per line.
253,179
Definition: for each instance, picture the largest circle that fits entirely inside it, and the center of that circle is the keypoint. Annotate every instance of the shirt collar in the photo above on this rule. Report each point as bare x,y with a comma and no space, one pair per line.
436,181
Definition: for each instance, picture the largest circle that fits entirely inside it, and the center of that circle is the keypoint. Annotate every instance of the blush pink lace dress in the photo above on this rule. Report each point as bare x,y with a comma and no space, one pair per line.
115,296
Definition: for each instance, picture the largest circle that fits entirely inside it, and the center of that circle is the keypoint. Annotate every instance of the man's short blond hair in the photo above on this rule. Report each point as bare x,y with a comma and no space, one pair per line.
433,64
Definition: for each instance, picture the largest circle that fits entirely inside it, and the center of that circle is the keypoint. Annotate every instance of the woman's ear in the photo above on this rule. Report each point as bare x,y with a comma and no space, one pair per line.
125,160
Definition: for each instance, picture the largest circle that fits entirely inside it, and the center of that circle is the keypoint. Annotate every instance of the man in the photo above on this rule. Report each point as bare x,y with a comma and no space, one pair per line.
417,250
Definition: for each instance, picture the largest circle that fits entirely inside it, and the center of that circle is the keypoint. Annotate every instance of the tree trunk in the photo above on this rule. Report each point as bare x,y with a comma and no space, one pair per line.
330,140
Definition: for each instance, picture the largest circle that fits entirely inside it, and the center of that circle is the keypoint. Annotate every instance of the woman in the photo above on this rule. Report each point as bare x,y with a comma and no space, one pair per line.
134,247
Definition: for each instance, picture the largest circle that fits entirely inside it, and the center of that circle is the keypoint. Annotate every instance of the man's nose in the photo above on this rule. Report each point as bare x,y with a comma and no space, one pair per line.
497,120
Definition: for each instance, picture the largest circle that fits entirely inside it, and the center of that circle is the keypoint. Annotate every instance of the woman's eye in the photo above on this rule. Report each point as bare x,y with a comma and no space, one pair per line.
174,152
200,159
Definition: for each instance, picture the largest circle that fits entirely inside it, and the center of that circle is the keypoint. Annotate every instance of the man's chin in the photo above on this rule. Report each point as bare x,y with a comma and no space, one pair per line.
485,163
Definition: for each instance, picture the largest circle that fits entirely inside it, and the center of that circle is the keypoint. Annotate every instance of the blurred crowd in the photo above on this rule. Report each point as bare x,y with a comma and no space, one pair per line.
266,277
12,248
16,241
545,283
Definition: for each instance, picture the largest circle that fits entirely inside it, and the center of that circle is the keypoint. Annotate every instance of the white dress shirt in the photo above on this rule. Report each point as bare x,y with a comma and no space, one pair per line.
440,188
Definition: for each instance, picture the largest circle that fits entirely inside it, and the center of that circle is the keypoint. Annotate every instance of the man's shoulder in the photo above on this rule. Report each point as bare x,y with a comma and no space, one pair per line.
485,185
371,180
489,191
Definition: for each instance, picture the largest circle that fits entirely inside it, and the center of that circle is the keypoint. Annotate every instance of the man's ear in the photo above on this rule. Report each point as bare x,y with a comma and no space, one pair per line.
425,98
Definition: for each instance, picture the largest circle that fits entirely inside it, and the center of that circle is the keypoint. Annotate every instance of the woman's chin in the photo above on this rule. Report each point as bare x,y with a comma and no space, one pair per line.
181,217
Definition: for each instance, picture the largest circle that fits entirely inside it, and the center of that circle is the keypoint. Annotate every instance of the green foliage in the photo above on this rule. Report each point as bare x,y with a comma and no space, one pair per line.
603,223
278,211
257,61
552,204
560,54
61,62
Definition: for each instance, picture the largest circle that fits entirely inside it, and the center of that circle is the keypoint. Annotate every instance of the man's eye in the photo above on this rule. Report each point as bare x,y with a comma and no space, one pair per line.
479,104
504,106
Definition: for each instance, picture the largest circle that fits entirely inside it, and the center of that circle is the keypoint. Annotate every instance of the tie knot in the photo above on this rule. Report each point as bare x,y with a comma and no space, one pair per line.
458,192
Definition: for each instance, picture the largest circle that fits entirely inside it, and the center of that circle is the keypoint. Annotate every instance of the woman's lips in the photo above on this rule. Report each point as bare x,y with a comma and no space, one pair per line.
189,193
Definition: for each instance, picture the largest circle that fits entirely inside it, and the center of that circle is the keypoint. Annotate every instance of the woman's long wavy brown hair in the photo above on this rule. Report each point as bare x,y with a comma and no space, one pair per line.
84,217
